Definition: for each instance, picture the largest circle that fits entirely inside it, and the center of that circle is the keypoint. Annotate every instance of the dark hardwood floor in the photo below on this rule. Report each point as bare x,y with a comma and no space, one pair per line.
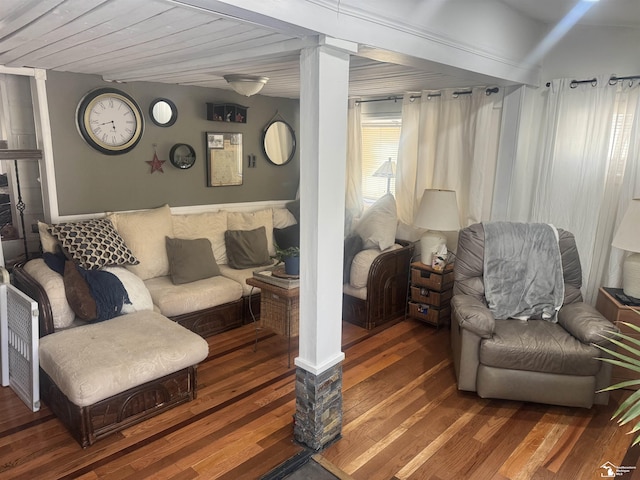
403,419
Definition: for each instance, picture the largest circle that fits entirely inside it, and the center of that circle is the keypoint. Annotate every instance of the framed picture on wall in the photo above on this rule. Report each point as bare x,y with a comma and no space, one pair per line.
224,159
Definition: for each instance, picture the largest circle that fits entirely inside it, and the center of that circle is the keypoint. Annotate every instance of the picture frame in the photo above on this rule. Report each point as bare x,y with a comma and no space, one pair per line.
224,159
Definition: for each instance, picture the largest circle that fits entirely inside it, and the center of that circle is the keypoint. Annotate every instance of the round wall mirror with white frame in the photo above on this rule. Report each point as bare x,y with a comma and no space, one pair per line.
279,142
163,112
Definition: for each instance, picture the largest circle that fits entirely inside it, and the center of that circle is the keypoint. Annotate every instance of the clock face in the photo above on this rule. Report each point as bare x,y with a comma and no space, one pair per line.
110,121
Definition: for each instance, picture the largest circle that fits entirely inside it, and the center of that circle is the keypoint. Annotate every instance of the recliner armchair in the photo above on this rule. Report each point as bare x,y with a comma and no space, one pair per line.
532,360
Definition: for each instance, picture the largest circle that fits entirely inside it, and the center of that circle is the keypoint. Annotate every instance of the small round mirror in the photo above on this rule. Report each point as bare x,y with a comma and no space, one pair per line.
163,112
279,142
182,156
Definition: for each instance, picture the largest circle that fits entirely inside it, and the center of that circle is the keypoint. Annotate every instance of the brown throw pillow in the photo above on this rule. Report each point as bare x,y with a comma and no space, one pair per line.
190,260
78,293
247,248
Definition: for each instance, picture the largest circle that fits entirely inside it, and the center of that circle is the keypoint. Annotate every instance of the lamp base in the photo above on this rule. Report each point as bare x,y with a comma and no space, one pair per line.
631,276
429,243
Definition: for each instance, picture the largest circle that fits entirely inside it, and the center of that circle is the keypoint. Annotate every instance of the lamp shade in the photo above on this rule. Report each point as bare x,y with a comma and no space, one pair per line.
386,170
246,85
627,236
438,211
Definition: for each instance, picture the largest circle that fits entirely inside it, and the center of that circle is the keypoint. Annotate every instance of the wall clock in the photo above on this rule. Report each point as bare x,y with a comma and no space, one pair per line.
110,121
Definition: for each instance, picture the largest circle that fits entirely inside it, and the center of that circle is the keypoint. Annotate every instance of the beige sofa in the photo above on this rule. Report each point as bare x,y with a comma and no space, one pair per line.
206,305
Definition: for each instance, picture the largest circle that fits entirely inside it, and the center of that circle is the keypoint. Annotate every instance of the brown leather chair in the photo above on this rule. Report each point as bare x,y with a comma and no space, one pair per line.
533,360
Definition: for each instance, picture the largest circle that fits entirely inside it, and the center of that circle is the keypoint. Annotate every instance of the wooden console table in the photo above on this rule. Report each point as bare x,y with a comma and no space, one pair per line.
279,309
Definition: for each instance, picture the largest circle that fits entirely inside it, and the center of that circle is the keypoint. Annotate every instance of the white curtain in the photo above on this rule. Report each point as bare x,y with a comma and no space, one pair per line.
353,199
570,165
449,141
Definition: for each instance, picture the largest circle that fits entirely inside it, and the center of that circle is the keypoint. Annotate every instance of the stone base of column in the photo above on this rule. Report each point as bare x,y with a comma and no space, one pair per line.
318,419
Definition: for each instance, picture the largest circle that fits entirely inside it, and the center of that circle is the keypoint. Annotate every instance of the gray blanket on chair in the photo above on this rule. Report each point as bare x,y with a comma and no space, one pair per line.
522,270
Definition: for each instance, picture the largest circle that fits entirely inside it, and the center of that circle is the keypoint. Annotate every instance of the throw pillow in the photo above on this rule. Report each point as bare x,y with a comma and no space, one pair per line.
190,260
49,243
251,221
287,237
378,223
78,293
352,245
93,243
247,248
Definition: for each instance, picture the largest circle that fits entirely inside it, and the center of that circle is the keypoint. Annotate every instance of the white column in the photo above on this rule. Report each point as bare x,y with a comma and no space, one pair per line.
324,84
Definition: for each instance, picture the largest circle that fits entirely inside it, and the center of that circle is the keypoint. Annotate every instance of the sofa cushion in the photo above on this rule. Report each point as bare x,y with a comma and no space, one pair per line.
139,296
53,285
49,243
538,346
93,243
190,260
251,221
211,225
378,223
144,233
247,248
175,300
283,218
240,276
94,362
362,264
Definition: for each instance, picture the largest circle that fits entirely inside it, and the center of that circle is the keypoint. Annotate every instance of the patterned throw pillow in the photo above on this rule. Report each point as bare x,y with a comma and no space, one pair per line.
93,243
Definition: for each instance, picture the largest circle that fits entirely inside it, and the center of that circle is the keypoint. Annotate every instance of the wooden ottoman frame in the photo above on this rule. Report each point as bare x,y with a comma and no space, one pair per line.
113,414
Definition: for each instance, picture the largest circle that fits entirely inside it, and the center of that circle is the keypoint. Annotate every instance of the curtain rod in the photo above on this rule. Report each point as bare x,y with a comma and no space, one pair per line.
613,80
395,98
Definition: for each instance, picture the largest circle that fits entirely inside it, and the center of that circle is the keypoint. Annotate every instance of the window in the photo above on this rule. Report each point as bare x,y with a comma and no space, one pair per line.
380,140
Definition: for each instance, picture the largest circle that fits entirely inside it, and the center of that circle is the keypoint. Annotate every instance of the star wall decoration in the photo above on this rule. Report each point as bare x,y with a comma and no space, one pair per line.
156,164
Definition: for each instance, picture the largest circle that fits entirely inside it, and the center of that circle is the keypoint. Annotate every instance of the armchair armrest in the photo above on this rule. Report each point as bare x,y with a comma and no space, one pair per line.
586,324
473,315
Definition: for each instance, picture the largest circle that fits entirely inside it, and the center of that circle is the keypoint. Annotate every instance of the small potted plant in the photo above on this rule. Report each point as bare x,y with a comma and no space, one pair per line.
291,258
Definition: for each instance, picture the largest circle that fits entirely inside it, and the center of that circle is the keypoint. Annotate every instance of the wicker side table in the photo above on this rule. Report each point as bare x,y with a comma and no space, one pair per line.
279,309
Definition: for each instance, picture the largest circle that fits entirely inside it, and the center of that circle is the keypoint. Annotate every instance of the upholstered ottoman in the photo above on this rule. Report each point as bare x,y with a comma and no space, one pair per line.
103,377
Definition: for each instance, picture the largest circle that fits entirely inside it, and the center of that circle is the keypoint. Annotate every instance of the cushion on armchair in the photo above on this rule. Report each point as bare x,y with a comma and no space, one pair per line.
378,223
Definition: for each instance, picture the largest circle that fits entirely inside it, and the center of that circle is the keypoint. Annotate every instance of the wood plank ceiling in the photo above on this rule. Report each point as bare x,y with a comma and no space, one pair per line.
159,41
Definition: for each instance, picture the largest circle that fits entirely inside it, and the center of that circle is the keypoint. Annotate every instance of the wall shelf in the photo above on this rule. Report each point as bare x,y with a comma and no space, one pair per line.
226,112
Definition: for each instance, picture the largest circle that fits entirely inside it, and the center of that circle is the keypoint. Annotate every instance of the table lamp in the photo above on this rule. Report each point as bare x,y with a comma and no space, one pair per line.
627,238
438,212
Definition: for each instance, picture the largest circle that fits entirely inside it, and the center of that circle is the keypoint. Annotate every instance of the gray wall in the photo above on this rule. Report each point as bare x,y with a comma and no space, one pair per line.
88,181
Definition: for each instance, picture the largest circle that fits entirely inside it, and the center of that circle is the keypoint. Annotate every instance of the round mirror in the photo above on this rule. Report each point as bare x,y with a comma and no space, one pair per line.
182,156
163,112
279,142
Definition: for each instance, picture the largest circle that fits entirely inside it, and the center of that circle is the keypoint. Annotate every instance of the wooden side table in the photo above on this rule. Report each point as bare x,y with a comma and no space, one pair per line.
279,309
430,292
614,311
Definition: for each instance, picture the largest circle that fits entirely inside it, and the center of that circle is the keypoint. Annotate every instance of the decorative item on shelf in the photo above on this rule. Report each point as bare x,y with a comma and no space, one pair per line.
387,170
156,163
163,112
227,112
224,159
246,85
182,156
627,238
278,141
438,212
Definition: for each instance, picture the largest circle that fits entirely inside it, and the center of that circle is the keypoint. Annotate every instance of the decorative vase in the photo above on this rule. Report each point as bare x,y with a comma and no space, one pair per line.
292,265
